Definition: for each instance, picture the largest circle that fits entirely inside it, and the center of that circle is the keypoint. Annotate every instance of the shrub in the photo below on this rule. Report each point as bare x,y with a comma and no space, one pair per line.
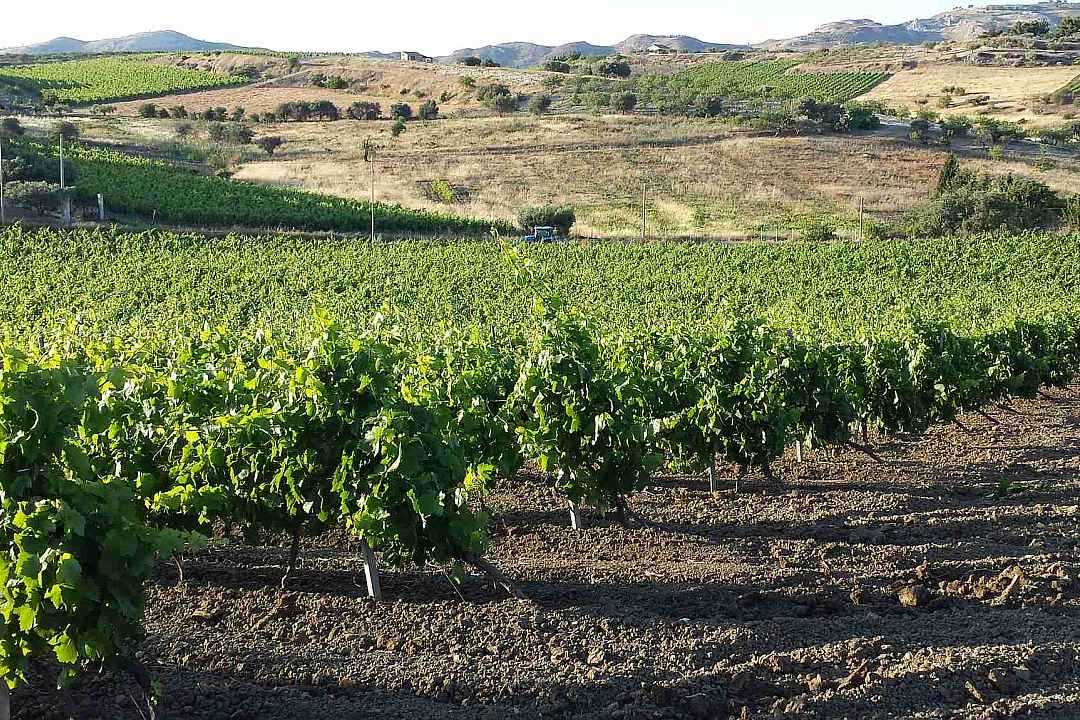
1072,214
624,102
35,195
560,217
11,128
488,93
816,229
401,111
539,104
239,134
557,66
613,68
969,202
148,110
398,127
429,110
1038,28
471,61
325,110
467,82
269,144
489,63
183,129
364,111
67,130
505,104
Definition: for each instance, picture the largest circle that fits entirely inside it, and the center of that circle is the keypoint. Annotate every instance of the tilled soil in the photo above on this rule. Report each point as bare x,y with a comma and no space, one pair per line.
940,585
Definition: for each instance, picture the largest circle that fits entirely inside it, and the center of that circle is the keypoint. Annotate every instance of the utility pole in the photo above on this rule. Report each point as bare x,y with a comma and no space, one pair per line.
369,158
61,162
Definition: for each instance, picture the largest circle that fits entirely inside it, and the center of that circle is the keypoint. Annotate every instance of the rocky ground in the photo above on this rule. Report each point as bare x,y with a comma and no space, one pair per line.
940,585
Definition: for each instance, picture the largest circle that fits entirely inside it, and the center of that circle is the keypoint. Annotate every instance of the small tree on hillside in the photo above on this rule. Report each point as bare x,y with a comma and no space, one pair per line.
398,127
269,144
624,102
540,104
471,61
401,111
364,111
429,110
11,128
148,110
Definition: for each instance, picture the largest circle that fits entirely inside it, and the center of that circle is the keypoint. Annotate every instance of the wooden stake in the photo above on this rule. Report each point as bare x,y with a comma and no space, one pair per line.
101,207
371,572
798,452
712,479
575,517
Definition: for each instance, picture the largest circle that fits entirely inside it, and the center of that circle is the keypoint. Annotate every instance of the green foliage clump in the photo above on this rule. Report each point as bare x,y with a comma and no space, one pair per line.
967,201
560,217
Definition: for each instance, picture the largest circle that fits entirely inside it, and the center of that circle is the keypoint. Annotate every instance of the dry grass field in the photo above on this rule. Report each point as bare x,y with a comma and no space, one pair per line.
1014,92
702,179
382,81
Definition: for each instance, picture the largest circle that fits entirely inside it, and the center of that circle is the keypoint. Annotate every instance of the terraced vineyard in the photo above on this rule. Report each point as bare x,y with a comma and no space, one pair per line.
110,79
749,79
155,189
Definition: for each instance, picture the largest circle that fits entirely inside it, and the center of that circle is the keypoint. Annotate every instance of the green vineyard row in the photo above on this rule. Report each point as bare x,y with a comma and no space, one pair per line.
109,79
156,189
113,454
752,78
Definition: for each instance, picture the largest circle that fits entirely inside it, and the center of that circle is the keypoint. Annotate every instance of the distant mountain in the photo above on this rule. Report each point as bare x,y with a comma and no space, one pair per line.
967,23
523,54
161,41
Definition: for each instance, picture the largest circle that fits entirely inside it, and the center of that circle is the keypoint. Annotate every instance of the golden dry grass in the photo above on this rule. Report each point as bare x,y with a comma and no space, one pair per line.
1014,92
701,180
382,81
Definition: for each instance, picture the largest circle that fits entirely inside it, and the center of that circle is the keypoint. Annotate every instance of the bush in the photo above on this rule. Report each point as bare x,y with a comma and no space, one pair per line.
969,202
35,195
67,130
183,129
429,110
489,63
613,68
488,93
557,66
1071,217
11,128
269,144
539,104
398,127
623,102
26,166
560,217
506,104
816,229
364,111
472,61
1038,28
401,111
148,110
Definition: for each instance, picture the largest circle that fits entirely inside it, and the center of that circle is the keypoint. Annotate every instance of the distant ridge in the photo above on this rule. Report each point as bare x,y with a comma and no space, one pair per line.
967,23
159,41
525,54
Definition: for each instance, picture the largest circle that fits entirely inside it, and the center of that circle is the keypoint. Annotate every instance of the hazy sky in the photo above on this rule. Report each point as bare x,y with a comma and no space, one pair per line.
439,26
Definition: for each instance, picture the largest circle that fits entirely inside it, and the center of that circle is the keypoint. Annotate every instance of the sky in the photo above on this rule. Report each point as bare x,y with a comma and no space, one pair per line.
437,27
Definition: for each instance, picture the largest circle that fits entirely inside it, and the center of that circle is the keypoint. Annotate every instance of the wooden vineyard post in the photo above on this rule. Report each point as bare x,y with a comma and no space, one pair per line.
798,452
644,204
711,472
575,517
371,572
101,207
3,220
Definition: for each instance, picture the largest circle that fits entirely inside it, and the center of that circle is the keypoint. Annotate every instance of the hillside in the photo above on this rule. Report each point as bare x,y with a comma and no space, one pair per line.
160,41
959,24
524,54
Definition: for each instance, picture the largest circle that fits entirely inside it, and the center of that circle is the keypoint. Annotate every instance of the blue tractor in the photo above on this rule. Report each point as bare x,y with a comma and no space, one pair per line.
542,234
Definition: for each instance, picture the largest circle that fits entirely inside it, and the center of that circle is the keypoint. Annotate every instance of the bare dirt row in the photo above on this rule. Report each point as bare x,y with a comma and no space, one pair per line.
941,585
